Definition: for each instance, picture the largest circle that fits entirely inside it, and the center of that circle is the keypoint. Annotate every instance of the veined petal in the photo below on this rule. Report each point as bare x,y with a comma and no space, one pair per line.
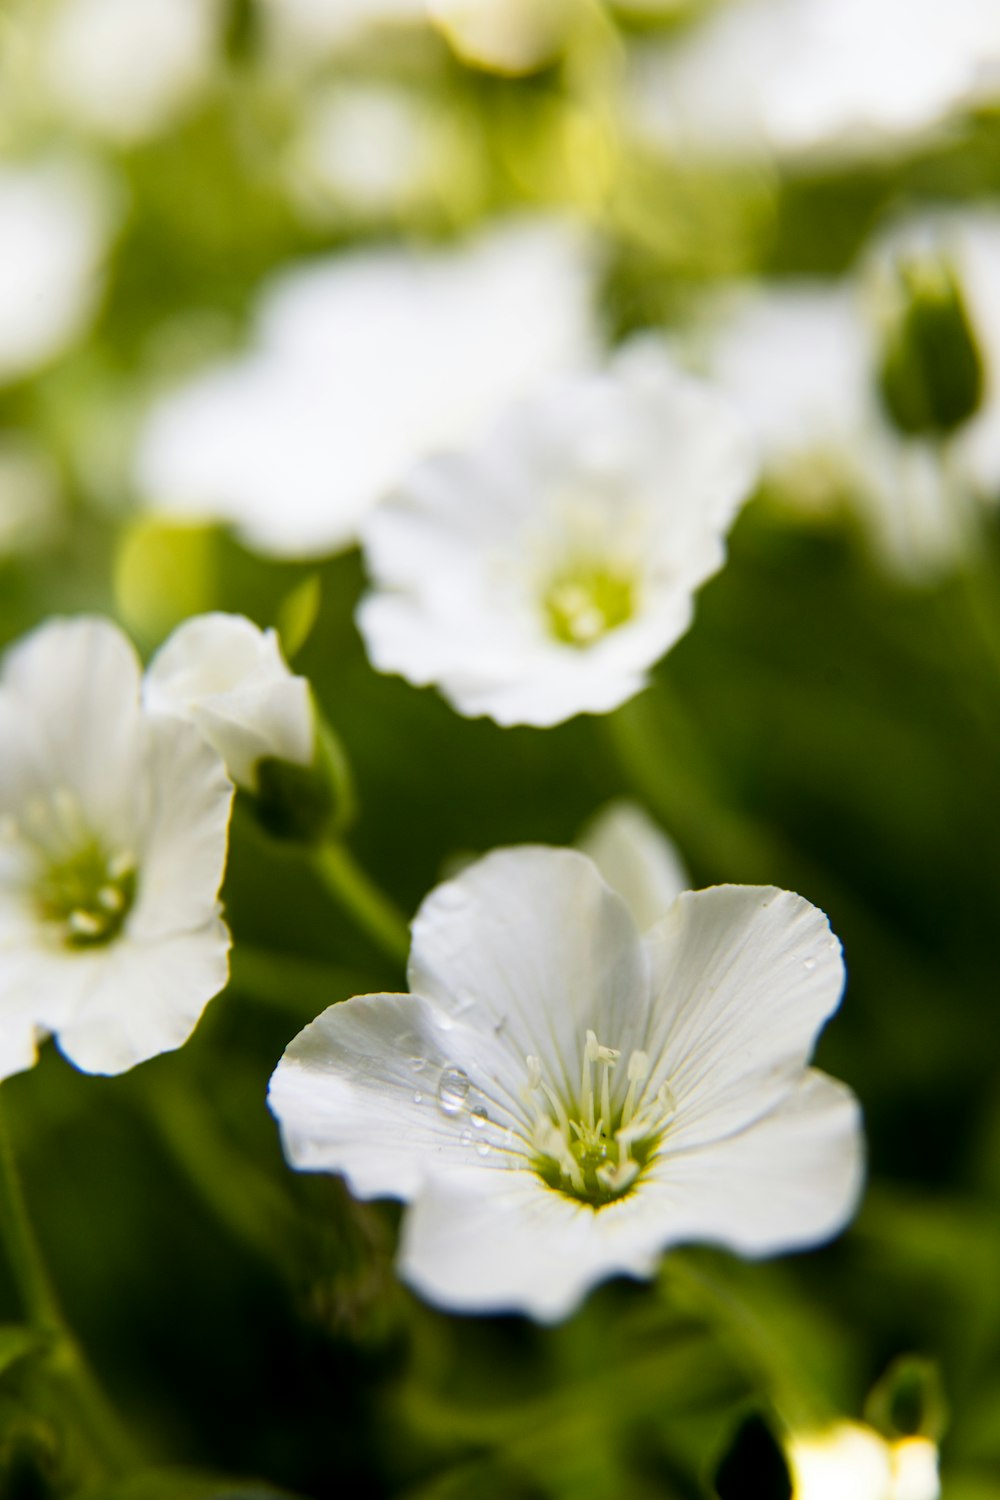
145,998
791,1179
520,1246
185,834
531,944
376,1088
744,978
636,859
79,680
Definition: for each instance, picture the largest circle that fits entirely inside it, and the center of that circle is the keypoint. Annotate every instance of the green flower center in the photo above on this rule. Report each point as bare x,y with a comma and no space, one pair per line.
590,1148
87,895
81,889
585,601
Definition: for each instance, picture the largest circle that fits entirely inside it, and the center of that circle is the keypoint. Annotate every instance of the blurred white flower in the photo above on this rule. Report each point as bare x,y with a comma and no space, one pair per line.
833,78
851,1460
124,69
29,494
302,28
559,1099
804,362
227,676
55,224
636,859
113,833
373,148
505,36
363,364
542,574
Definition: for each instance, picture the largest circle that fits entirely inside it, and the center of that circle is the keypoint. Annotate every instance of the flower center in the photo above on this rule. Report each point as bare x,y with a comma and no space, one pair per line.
82,890
592,1148
586,600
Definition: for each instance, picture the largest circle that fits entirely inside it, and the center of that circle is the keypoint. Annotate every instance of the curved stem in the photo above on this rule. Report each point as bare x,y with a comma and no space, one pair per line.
373,911
796,1403
296,985
65,1358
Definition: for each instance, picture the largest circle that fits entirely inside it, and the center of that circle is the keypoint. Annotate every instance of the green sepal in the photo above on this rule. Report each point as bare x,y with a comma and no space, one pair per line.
909,1400
931,380
307,805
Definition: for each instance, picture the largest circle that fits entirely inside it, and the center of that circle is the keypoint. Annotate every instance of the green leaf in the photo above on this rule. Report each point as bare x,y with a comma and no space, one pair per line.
182,1484
17,1342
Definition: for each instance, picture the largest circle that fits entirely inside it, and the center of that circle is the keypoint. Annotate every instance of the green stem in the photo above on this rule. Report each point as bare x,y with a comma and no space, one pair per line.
66,1359
296,985
357,893
796,1403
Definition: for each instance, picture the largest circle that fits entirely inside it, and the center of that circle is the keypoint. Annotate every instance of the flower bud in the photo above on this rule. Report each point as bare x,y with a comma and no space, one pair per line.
931,376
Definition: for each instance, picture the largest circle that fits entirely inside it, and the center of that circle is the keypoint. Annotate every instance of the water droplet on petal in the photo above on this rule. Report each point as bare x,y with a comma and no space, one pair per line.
479,1117
453,1089
483,1149
466,1137
418,1098
809,963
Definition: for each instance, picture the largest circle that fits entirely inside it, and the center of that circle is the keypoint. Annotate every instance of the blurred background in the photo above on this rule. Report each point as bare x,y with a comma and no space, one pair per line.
802,196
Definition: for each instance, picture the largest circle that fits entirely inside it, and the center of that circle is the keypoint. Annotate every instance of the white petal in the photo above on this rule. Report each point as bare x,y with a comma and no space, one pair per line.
54,226
365,363
531,945
229,677
745,978
18,1043
636,859
639,469
790,1180
144,998
360,1091
520,1246
183,843
79,680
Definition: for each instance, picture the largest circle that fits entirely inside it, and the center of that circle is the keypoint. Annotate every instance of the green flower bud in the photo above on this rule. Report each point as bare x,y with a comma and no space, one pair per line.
931,376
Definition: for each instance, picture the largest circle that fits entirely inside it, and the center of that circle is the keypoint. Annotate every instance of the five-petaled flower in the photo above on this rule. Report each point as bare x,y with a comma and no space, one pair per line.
541,575
113,835
560,1098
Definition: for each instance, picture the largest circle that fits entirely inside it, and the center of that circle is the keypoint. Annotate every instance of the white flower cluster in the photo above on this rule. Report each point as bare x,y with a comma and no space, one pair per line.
114,817
805,361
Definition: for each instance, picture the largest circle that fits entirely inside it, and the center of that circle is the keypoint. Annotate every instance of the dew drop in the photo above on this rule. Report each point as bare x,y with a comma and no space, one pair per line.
479,1117
418,1098
453,1089
466,1137
809,963
483,1148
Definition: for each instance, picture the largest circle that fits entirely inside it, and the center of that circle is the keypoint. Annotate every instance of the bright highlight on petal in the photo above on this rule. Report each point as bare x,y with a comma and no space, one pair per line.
853,1460
561,1087
362,365
113,834
542,574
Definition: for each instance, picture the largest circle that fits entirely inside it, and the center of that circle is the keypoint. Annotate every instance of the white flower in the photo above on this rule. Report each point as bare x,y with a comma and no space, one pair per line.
373,148
124,69
832,78
363,364
560,1098
851,1460
113,832
542,574
55,221
802,361
636,859
505,36
227,676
